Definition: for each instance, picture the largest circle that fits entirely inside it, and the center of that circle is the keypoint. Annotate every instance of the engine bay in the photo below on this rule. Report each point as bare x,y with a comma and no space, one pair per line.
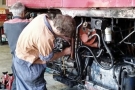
102,55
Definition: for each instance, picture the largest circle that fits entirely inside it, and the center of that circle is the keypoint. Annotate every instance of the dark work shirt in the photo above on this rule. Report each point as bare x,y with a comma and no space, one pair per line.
12,29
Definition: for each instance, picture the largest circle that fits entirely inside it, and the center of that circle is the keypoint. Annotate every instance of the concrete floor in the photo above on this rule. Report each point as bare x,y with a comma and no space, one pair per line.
6,62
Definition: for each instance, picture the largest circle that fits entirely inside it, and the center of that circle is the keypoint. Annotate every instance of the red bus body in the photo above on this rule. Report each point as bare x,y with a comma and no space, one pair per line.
74,3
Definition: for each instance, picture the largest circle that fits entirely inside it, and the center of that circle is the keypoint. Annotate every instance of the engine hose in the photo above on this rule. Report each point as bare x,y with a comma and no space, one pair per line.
124,72
86,65
76,46
106,68
119,75
78,65
108,50
76,36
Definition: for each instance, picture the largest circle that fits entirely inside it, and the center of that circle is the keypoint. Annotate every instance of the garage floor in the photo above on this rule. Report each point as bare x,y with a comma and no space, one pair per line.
5,65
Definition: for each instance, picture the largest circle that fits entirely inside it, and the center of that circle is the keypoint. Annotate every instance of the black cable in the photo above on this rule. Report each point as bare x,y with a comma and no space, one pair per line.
108,50
123,74
114,76
121,70
106,68
79,65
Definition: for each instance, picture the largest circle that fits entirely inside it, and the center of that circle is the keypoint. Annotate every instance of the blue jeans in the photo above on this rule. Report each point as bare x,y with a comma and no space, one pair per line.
14,81
29,76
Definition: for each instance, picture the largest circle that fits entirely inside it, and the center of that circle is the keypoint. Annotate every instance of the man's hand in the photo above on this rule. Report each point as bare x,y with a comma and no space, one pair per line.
67,51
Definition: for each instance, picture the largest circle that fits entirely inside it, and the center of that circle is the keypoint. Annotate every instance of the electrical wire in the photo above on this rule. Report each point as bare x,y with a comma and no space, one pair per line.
108,50
91,36
106,68
92,56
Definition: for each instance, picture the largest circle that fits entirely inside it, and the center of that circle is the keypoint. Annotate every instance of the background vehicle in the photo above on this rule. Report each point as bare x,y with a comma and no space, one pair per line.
4,13
103,46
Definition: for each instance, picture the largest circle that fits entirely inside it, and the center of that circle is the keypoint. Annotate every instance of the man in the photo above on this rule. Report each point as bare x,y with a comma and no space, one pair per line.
13,28
35,47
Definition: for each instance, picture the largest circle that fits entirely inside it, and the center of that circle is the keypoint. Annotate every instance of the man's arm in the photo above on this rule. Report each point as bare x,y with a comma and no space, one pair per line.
55,56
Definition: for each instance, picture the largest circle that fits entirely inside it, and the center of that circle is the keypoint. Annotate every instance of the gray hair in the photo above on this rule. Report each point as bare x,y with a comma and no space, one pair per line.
17,9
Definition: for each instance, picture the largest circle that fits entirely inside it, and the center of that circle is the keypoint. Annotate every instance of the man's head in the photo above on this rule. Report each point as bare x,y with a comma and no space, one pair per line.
64,24
17,9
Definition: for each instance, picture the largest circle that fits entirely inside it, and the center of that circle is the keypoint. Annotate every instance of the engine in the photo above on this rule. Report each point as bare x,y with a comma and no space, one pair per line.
103,55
